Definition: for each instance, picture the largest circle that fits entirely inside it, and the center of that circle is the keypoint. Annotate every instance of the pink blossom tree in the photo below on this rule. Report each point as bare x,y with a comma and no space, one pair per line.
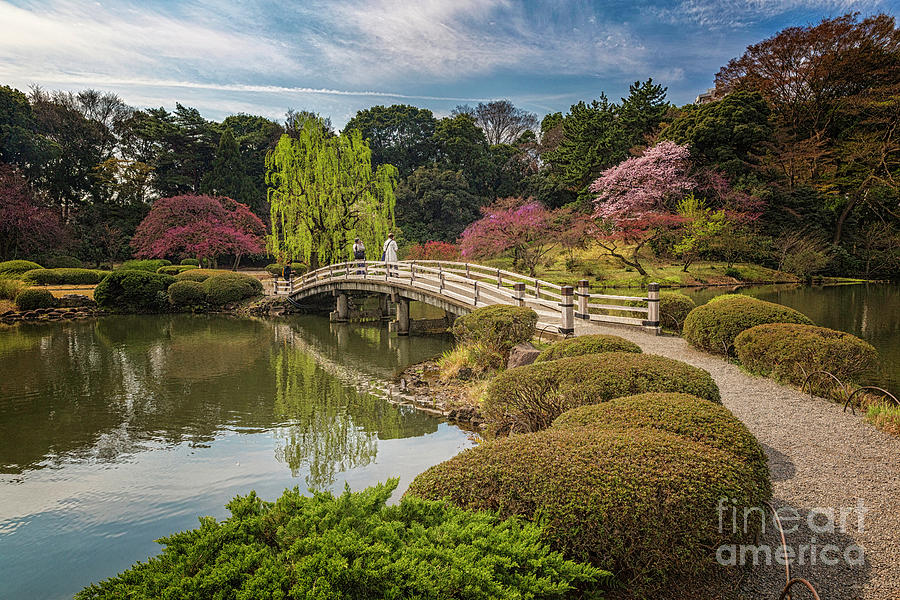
26,227
433,251
524,226
635,200
204,227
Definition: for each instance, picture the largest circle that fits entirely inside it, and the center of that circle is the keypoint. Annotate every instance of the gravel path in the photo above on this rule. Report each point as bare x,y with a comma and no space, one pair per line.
820,459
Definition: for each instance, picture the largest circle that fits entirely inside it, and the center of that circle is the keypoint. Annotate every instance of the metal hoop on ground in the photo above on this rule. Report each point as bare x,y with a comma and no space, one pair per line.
882,391
829,374
786,592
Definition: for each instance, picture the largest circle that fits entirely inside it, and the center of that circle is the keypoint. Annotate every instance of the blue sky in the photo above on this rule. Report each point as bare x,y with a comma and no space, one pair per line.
336,57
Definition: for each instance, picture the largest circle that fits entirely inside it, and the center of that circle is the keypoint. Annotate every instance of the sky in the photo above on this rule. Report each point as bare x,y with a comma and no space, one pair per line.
336,57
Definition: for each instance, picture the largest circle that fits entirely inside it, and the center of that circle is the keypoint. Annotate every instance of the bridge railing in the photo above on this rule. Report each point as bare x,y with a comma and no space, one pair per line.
479,285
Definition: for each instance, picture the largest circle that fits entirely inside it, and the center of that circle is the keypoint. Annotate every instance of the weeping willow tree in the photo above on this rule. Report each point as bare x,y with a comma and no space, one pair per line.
324,194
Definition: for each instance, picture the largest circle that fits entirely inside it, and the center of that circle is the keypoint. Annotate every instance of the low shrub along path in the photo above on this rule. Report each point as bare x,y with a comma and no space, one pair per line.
821,459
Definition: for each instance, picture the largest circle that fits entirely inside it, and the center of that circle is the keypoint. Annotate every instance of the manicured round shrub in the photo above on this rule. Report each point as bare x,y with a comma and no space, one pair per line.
788,352
200,275
529,398
498,326
12,269
713,326
230,287
674,308
682,414
274,269
145,265
64,276
587,344
175,269
62,262
134,290
187,294
32,298
299,268
190,261
639,502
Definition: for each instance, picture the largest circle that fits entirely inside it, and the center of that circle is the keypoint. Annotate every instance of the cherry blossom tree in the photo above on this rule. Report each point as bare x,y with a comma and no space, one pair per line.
525,227
26,227
204,227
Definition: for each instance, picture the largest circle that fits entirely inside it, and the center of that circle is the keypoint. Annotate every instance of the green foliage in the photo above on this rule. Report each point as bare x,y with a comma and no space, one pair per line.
227,176
175,269
498,327
323,194
642,111
12,269
9,288
682,414
674,308
398,135
62,262
352,546
788,352
470,360
133,290
714,325
64,276
32,298
730,134
190,261
638,502
587,344
529,398
187,294
200,275
145,265
231,287
435,204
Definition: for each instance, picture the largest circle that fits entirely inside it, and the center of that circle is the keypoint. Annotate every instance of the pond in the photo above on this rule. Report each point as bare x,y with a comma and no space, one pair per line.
118,431
871,312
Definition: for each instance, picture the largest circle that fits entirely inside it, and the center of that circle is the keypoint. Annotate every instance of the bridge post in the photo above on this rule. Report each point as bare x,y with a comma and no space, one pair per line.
403,316
342,308
652,322
567,313
519,292
584,295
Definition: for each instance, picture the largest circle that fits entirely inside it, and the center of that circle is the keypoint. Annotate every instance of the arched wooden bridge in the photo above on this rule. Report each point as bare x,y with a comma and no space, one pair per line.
458,288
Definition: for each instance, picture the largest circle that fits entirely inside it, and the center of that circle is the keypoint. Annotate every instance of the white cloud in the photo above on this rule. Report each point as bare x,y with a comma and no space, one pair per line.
740,13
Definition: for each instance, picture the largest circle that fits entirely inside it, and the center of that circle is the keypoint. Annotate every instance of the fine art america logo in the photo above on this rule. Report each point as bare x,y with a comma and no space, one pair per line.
833,524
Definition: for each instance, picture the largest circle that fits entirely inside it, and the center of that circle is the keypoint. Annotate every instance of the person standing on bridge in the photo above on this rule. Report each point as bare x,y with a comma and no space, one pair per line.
389,254
359,253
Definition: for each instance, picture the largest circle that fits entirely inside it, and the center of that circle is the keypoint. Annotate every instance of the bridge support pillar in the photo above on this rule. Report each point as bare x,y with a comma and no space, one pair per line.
341,313
567,312
402,316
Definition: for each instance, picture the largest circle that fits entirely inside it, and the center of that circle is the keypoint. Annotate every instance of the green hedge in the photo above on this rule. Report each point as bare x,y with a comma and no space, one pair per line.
145,265
200,275
529,398
32,298
674,308
190,261
62,262
64,276
789,352
587,344
175,269
231,287
12,269
353,546
500,327
641,503
682,414
715,325
134,290
187,294
296,268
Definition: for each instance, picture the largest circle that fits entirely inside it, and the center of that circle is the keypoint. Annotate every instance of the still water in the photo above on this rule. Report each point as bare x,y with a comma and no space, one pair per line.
118,431
871,312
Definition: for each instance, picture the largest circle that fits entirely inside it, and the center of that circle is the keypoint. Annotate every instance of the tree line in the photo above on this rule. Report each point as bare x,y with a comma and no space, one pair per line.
802,125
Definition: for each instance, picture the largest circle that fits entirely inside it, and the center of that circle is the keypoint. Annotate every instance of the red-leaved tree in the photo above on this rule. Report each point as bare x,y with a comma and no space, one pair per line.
524,226
26,227
433,251
636,200
204,227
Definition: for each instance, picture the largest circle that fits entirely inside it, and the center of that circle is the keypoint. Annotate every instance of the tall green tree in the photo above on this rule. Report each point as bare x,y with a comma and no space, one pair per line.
642,111
399,135
227,178
434,204
324,193
255,136
593,141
